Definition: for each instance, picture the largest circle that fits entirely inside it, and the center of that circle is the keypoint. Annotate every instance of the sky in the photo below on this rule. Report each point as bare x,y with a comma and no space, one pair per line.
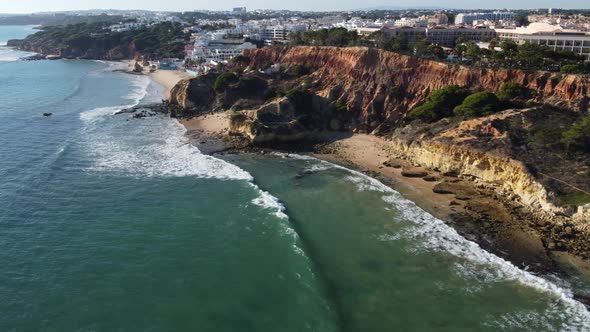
29,6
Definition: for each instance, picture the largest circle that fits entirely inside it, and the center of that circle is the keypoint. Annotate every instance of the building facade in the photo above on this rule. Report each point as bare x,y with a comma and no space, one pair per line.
468,18
552,36
441,35
448,36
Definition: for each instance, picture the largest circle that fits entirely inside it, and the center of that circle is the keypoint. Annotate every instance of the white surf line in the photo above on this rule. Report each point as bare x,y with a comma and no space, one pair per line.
441,236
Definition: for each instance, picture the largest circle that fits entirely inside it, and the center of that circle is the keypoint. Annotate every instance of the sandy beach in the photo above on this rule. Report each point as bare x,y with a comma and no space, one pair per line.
166,78
368,153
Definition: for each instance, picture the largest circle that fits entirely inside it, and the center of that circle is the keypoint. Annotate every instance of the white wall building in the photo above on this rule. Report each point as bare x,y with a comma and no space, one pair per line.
552,36
211,47
468,18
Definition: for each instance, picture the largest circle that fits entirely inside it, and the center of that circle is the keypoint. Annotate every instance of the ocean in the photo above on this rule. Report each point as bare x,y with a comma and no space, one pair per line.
113,223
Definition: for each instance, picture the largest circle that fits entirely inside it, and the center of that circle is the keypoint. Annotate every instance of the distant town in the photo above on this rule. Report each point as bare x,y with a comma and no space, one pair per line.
217,37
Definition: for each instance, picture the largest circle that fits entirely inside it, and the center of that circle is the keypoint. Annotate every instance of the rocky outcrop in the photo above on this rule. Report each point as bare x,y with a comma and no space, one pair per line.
448,157
51,47
303,118
483,150
194,95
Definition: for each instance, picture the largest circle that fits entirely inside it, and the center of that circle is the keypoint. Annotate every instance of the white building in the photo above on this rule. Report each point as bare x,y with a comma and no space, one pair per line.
210,47
468,18
126,27
552,36
410,22
277,33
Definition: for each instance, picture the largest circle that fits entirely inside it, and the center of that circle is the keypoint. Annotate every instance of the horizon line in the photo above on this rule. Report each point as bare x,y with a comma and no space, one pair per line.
375,8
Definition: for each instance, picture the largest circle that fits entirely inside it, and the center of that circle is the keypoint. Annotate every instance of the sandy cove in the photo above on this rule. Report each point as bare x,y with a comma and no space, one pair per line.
166,78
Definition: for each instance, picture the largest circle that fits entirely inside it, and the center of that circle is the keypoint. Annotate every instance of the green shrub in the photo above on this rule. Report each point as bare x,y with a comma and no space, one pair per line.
576,68
510,90
478,104
224,80
301,99
545,134
252,84
576,198
440,103
298,70
578,135
570,69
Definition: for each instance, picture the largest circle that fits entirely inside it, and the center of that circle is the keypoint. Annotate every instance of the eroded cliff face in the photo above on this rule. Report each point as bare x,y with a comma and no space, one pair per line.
194,95
379,87
484,151
458,151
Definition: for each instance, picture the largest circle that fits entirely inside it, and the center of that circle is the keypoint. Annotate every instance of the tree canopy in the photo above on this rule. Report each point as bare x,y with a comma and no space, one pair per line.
440,103
478,104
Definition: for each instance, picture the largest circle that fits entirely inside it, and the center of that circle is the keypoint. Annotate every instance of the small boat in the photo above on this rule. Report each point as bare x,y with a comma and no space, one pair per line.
47,114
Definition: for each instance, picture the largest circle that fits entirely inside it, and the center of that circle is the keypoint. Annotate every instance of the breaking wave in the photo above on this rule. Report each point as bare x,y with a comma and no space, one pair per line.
432,234
8,54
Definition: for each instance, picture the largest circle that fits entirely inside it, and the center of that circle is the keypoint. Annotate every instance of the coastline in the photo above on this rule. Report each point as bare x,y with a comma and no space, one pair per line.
481,217
166,78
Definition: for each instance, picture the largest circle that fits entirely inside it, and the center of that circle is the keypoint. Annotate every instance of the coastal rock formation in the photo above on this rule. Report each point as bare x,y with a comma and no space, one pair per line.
285,119
377,88
380,87
194,96
55,48
94,41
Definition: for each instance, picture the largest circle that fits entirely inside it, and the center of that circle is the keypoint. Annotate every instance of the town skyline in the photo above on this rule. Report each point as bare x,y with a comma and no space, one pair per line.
34,6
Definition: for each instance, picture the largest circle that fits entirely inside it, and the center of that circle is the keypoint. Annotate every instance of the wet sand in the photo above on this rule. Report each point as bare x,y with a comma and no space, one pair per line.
168,78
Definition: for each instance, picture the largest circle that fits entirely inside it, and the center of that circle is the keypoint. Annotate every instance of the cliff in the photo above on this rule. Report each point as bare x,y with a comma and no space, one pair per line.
96,41
380,86
486,150
45,46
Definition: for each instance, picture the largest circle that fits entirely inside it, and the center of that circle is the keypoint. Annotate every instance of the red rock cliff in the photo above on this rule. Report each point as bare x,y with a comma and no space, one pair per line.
382,86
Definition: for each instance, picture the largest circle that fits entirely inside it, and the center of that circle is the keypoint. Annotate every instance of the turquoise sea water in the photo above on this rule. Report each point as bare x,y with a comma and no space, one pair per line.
112,223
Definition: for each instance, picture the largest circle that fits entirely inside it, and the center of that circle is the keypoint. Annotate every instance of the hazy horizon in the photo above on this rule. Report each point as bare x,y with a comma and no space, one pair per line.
34,6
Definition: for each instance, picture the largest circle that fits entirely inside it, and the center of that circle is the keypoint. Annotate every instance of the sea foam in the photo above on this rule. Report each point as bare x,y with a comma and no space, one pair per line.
433,234
9,55
267,201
